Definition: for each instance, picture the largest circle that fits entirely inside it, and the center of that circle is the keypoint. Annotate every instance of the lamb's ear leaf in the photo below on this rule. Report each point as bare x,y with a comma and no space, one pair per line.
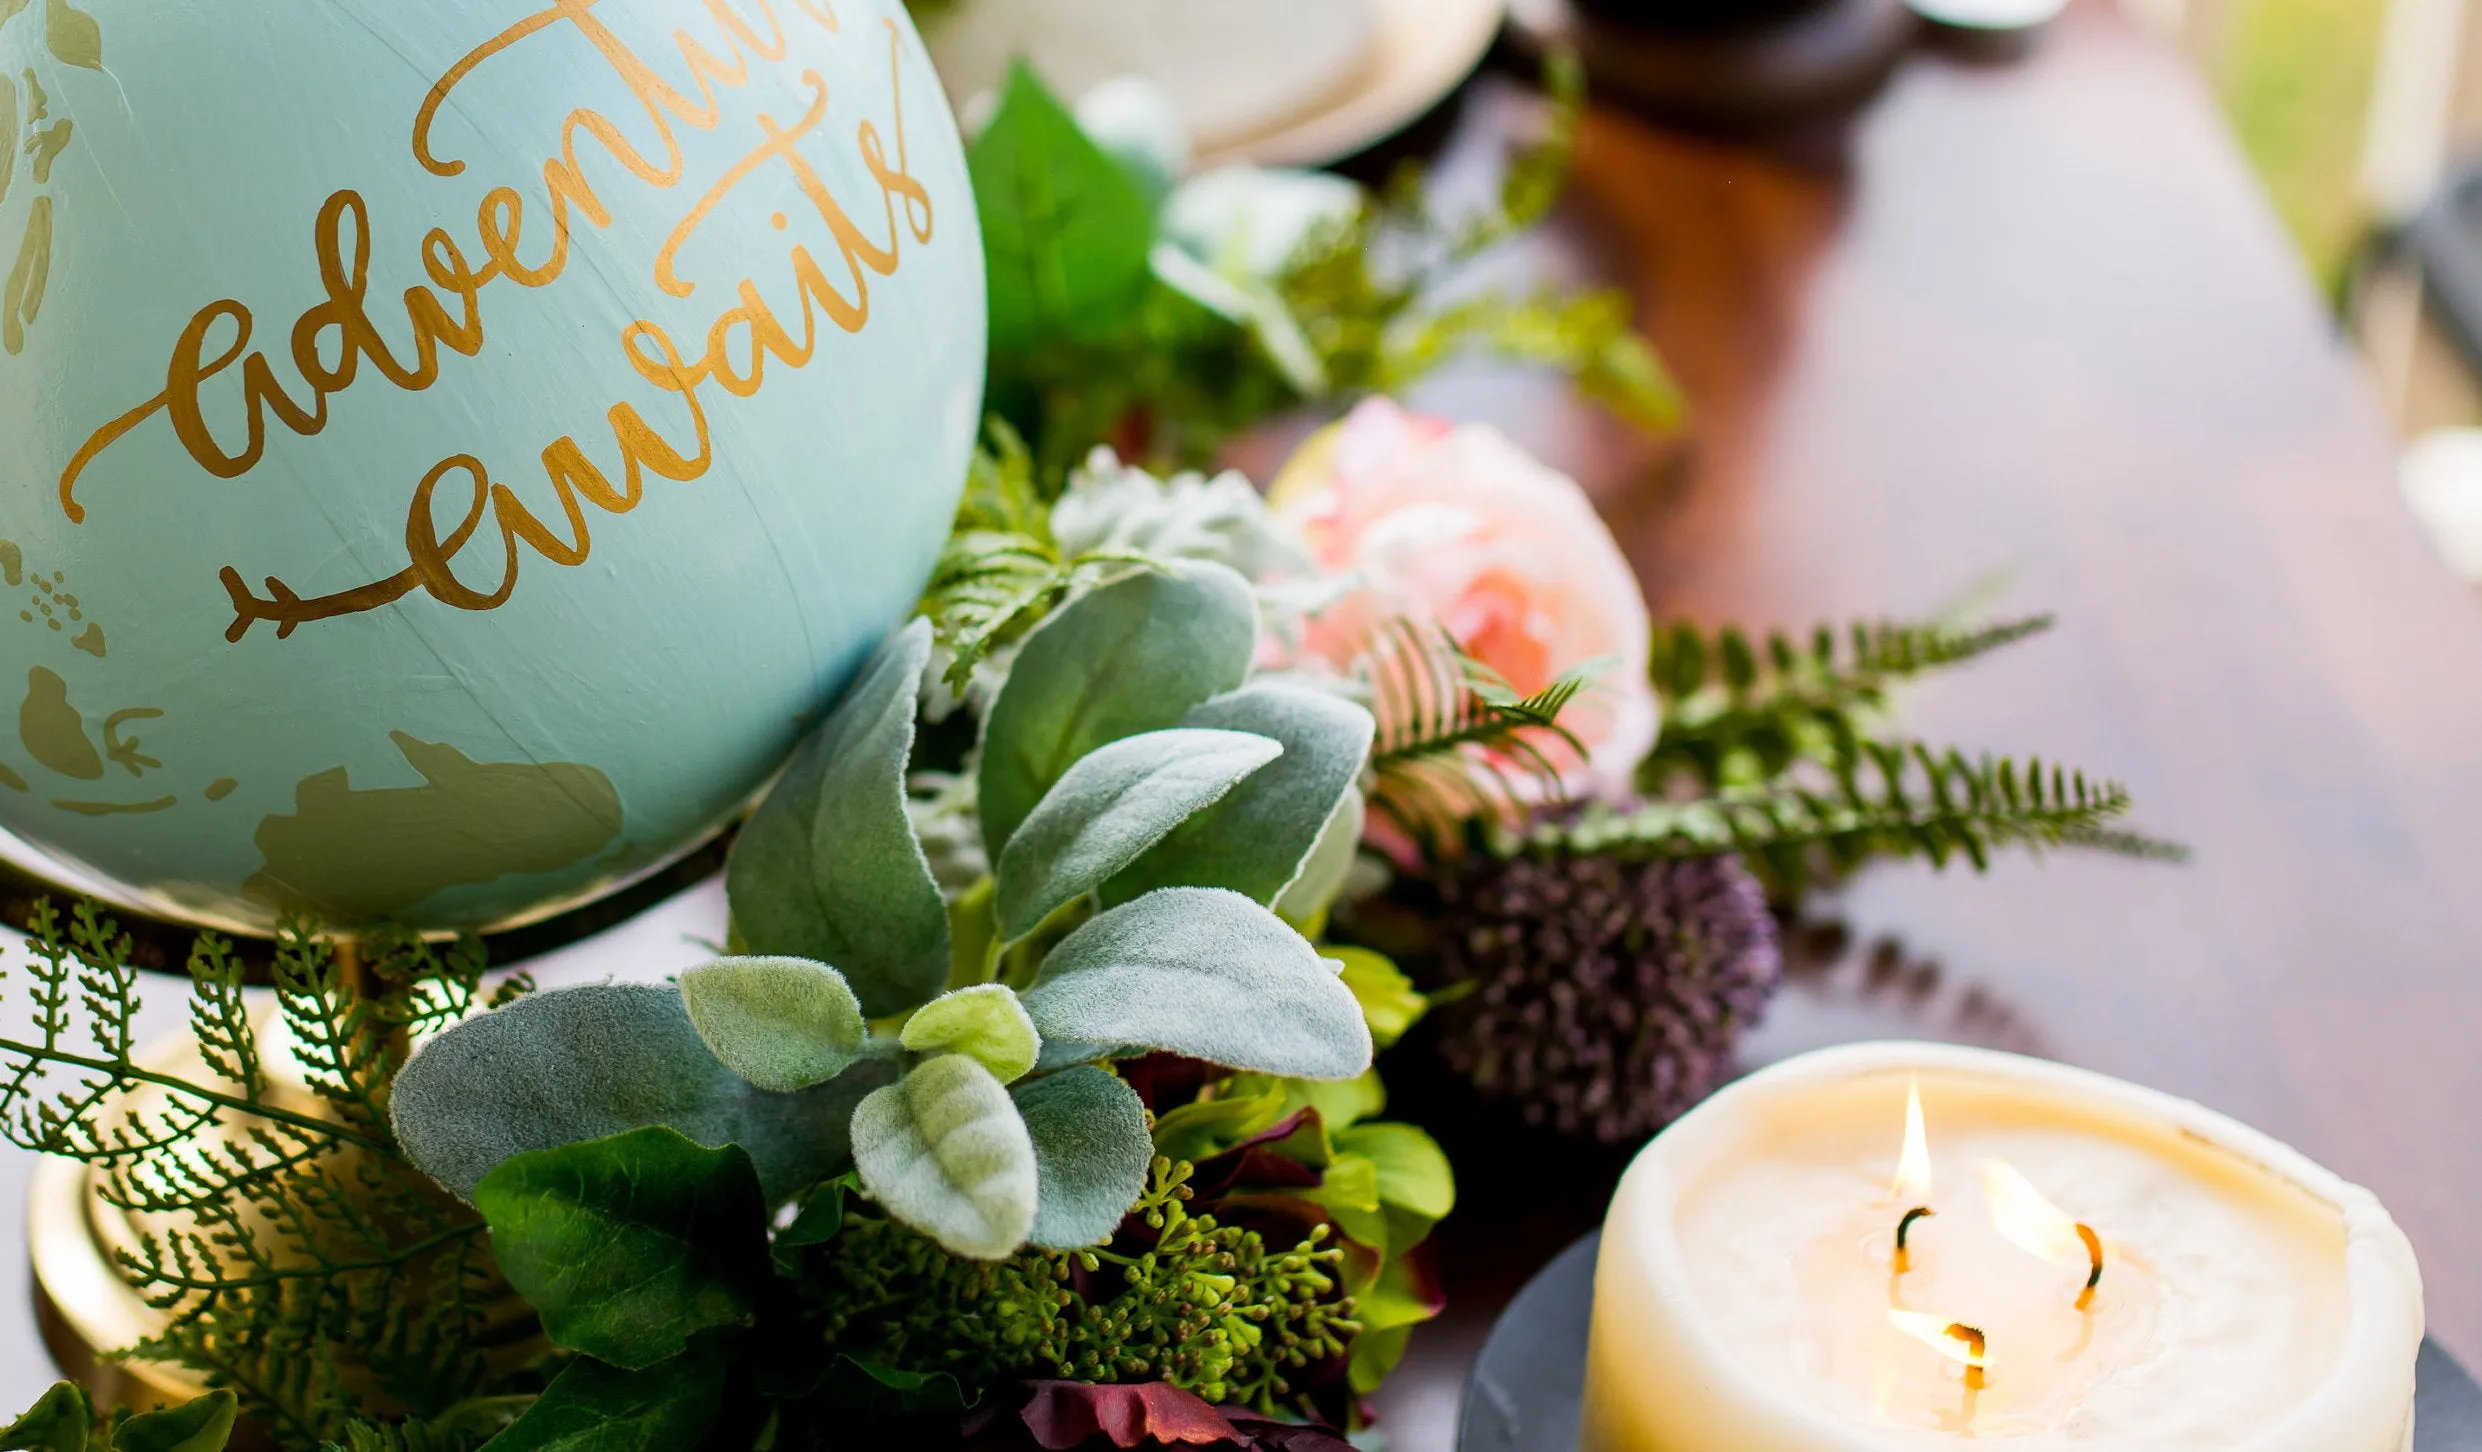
1116,802
630,1245
984,1022
1205,973
828,867
946,1152
592,1407
1258,838
1091,1154
1128,656
201,1424
576,1064
782,1023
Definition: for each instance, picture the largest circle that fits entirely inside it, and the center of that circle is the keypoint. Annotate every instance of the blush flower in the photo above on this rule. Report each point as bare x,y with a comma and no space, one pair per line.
1455,524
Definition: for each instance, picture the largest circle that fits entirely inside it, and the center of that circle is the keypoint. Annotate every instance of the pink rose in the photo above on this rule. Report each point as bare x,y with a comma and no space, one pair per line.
1454,523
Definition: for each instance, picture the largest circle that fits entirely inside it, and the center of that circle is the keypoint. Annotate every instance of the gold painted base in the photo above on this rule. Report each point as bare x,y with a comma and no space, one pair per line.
83,1305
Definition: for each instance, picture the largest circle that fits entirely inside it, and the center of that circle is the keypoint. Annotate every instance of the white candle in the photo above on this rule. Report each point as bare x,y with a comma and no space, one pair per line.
1749,1296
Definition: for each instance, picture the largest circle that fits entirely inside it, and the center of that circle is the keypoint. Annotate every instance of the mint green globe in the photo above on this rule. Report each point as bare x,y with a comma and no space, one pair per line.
449,452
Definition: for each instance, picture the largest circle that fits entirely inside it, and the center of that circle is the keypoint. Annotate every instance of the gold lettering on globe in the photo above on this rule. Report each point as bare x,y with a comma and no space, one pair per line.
215,347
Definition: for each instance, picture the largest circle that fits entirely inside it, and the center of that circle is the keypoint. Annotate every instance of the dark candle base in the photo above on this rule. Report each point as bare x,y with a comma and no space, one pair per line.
1771,69
1529,1384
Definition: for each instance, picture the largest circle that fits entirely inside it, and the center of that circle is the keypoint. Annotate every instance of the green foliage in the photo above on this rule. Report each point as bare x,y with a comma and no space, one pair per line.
59,1421
592,1407
1105,327
1091,1152
1208,1307
1891,800
1126,657
947,1152
1391,1005
630,1245
303,1261
581,1063
1456,745
784,1024
829,868
1738,712
1112,805
985,1022
201,1424
1201,972
1256,840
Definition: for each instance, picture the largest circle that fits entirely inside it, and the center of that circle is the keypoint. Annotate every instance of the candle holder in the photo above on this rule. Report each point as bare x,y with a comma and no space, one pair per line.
1527,1391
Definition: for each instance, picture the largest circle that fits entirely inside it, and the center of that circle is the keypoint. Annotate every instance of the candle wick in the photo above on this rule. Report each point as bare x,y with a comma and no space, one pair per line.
1976,1350
1904,1228
2094,1252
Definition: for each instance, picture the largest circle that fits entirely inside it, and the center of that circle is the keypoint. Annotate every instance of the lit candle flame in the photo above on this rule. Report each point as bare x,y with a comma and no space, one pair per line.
2030,1222
1913,1167
1939,1334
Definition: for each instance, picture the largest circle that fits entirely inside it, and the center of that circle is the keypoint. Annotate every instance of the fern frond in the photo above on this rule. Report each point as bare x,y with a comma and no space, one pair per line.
299,1258
1739,713
1455,742
1888,801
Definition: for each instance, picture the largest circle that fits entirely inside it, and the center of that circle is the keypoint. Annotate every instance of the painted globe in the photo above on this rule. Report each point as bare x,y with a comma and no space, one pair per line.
449,451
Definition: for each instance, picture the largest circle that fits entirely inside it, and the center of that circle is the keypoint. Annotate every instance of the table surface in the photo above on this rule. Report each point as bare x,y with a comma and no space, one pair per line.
2039,340
2037,336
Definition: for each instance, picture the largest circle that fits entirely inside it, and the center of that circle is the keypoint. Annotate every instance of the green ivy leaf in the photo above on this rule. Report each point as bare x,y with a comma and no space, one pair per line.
591,1407
59,1421
1417,1188
983,1022
1126,657
1116,802
829,868
579,1064
821,1220
1348,1189
1206,973
945,1151
1401,1297
202,1424
1065,230
1091,1154
630,1245
781,1023
1207,1127
1390,1003
1256,839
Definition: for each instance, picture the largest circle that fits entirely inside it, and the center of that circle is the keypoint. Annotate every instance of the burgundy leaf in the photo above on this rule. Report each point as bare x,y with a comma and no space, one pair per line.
1064,1415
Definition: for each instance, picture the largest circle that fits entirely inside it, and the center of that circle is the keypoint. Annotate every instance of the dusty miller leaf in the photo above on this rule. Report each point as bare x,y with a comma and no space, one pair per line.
781,1023
828,867
1206,973
1256,839
945,1151
581,1063
1126,657
984,1022
1091,1154
1110,807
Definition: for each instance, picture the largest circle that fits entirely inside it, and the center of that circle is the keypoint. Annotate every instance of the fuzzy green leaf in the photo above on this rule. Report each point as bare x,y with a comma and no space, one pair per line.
1255,840
58,1422
946,1152
1126,657
1091,1153
1304,904
984,1022
781,1023
591,1407
1206,973
1107,810
201,1424
582,1063
630,1245
829,868
1065,230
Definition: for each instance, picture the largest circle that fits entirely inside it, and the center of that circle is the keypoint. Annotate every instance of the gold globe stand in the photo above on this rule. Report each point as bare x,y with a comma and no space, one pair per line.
84,1306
